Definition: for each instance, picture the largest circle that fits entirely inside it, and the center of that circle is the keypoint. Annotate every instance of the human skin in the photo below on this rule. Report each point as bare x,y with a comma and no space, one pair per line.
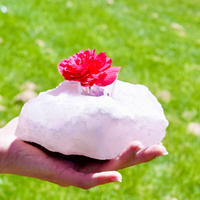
24,159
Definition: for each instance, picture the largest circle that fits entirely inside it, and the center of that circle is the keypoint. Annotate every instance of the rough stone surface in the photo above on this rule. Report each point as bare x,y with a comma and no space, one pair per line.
63,120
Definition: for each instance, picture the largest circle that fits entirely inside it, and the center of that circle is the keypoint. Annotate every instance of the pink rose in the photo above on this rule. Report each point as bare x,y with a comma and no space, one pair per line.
89,69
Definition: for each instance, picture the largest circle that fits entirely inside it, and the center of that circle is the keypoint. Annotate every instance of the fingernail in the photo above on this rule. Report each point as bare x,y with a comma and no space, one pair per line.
165,153
141,146
116,179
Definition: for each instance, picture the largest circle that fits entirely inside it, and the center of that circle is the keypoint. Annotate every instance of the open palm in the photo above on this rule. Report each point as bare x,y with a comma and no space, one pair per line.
25,159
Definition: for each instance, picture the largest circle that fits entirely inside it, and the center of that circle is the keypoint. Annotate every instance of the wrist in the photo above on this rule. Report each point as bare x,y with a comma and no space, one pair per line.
6,139
2,153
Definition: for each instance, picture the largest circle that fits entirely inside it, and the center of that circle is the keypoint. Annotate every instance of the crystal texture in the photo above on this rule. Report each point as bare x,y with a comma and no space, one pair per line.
67,121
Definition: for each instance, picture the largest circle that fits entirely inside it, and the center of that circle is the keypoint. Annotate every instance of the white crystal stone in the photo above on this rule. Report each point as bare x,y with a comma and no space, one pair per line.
66,121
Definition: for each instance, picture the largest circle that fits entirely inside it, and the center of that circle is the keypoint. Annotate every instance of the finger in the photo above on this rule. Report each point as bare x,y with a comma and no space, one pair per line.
87,181
147,155
124,157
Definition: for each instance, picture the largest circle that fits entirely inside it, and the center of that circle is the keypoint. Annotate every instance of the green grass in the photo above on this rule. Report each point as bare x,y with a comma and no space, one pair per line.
139,36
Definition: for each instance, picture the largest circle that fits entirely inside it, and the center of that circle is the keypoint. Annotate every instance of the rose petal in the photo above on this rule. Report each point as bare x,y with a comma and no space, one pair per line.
108,76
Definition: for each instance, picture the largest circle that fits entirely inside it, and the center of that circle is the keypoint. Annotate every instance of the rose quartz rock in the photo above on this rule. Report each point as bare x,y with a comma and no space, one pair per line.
66,121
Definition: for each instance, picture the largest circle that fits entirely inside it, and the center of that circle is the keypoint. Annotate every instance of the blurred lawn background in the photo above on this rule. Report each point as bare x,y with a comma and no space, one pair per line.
157,44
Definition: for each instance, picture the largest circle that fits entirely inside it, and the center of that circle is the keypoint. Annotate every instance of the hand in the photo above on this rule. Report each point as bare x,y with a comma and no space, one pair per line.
25,159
